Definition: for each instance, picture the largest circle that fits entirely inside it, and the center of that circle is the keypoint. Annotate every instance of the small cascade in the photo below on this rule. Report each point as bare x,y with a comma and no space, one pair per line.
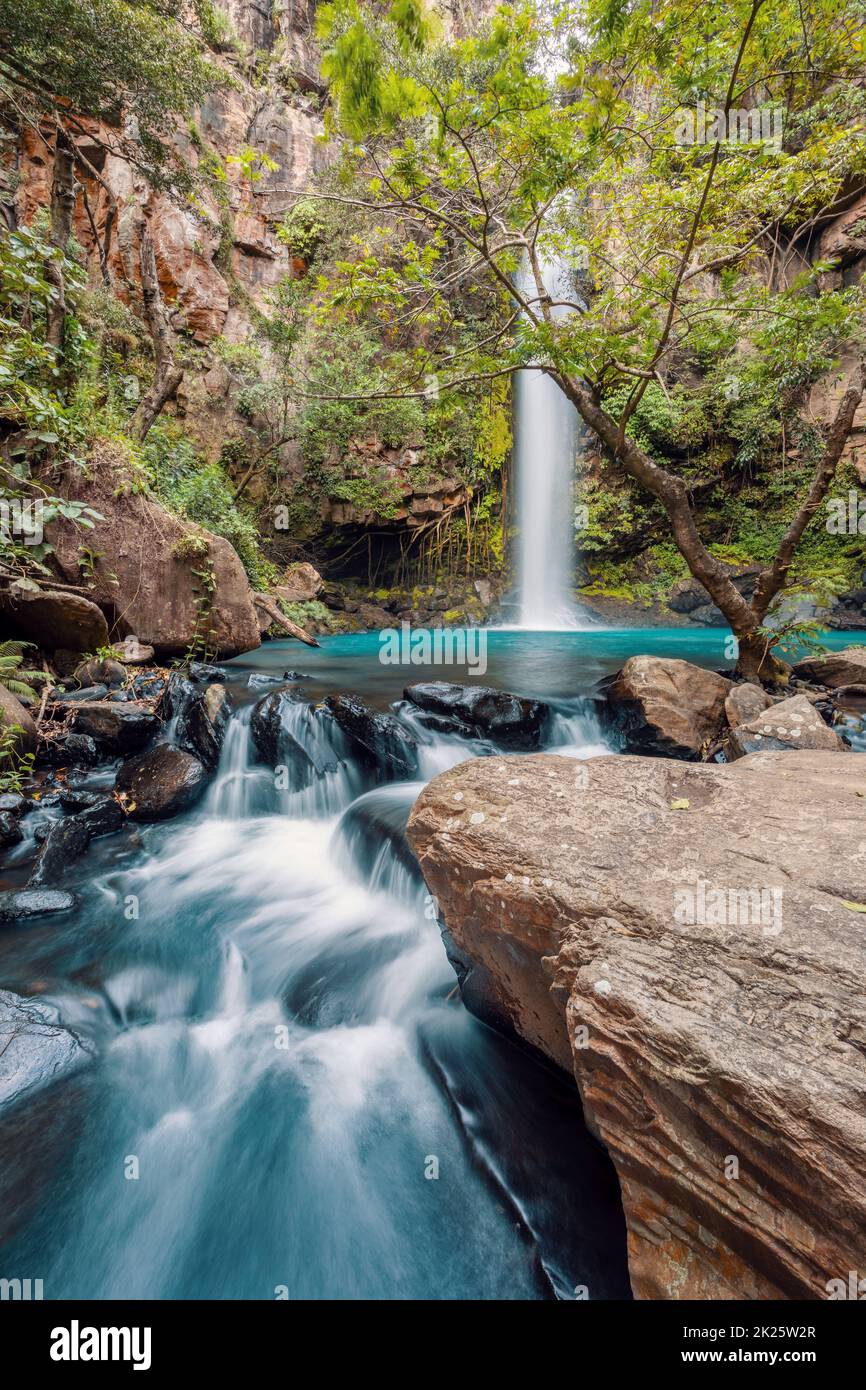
575,731
315,780
370,834
437,751
278,1019
240,788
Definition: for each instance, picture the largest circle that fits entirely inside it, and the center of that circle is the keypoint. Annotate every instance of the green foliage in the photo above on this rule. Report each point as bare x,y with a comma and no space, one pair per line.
13,674
665,422
312,611
201,492
303,229
31,370
145,59
347,364
15,767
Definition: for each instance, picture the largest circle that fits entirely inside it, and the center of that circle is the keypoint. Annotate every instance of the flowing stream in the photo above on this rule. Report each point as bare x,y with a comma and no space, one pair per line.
288,1098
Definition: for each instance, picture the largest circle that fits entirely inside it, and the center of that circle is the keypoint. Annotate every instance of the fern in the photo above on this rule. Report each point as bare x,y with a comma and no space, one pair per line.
15,767
15,677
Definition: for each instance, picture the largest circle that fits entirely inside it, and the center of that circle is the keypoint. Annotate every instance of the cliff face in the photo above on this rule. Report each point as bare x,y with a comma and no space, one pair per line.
216,257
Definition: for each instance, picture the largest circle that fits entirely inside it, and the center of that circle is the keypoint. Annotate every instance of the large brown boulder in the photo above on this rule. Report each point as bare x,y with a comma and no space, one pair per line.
793,723
300,584
689,940
847,667
52,619
144,576
667,706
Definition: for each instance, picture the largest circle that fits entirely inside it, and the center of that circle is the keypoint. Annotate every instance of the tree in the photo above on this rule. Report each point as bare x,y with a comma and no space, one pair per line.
581,136
116,74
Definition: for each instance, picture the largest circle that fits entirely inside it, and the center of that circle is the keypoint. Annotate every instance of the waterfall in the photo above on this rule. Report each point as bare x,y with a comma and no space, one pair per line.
546,440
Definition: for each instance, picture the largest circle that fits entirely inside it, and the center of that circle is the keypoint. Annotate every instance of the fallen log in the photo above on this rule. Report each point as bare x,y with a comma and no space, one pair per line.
277,616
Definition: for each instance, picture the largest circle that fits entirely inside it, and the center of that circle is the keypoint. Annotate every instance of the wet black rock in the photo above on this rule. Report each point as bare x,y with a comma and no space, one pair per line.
379,741
148,685
66,841
98,811
10,830
161,783
34,902
480,712
203,728
70,750
202,671
294,676
15,804
88,692
200,713
116,729
178,696
35,1049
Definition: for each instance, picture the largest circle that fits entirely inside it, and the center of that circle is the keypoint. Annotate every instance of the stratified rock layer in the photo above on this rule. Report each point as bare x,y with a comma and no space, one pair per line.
660,928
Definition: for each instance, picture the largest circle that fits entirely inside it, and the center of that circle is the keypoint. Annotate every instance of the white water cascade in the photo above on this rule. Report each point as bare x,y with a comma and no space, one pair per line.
546,440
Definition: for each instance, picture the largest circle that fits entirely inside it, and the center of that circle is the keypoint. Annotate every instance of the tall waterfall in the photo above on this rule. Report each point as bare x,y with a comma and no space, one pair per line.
546,440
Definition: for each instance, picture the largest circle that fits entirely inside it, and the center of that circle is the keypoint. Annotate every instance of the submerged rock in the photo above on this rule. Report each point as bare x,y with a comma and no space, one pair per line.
667,707
793,723
478,711
657,928
285,734
35,1049
34,902
379,741
161,783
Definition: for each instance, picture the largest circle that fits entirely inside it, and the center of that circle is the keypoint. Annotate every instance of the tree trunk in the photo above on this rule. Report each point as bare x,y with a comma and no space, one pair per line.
167,375
755,660
62,209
